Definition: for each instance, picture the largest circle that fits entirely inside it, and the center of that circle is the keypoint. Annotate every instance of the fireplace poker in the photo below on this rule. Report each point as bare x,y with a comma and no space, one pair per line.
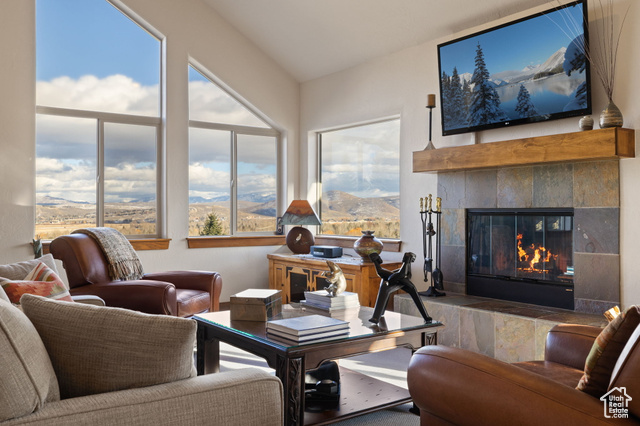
438,278
423,219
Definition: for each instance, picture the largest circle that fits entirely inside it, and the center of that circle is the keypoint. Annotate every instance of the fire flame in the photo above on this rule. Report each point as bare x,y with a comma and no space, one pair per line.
537,257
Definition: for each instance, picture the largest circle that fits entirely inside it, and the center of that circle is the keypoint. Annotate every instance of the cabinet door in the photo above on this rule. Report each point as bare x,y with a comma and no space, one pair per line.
298,281
278,281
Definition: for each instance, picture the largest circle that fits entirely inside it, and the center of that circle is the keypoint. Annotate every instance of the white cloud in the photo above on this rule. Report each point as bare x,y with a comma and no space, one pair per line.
115,93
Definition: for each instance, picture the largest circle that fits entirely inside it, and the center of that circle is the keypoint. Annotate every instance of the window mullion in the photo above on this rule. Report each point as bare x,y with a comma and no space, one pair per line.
233,202
100,175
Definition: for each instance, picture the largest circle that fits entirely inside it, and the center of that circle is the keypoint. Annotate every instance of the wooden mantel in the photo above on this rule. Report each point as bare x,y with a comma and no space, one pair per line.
579,146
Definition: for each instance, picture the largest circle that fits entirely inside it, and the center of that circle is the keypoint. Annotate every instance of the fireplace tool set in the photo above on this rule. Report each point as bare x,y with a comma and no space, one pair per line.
433,276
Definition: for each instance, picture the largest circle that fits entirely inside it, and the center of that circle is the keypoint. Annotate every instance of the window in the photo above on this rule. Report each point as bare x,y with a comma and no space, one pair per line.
360,179
233,174
98,126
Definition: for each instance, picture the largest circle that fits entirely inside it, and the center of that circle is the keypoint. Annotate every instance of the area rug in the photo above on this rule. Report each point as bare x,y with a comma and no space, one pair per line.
389,366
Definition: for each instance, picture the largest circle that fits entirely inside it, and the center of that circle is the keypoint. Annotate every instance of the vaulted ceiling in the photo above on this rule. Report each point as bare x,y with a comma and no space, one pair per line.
313,38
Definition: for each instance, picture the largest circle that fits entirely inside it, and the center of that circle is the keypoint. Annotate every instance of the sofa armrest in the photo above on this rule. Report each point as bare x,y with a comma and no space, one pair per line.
152,297
240,397
208,281
88,299
570,344
466,388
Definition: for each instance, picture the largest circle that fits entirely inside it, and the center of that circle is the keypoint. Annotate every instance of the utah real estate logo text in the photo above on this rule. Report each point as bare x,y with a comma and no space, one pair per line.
616,403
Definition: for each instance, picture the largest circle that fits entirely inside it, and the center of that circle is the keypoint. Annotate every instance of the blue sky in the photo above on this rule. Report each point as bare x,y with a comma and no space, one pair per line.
91,37
513,47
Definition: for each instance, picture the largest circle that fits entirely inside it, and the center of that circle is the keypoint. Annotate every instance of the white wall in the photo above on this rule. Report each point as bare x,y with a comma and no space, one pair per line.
399,84
192,30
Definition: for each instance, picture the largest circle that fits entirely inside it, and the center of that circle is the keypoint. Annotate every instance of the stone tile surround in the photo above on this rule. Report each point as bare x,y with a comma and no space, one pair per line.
507,331
592,189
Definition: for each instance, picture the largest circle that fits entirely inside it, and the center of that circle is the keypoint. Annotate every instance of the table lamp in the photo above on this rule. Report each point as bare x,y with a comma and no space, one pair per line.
299,239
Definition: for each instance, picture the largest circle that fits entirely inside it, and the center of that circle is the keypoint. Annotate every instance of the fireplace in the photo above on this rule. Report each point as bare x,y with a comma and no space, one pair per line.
522,255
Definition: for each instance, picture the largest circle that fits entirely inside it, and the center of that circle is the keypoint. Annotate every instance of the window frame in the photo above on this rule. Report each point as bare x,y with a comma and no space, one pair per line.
156,121
101,119
235,131
390,244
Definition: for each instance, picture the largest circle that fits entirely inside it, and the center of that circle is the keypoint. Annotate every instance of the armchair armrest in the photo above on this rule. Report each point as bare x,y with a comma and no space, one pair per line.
88,299
242,397
467,388
152,297
570,344
208,281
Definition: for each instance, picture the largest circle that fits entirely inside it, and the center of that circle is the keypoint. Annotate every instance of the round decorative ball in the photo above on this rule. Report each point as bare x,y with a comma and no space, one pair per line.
367,244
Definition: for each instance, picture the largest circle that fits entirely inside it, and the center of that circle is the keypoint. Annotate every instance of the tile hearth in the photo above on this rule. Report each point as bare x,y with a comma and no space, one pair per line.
507,331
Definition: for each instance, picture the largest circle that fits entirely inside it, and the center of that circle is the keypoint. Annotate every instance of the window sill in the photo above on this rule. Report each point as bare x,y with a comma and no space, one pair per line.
261,240
347,242
138,245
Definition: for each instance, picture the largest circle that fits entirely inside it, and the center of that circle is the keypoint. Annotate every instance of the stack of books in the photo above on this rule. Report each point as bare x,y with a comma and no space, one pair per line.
307,329
322,300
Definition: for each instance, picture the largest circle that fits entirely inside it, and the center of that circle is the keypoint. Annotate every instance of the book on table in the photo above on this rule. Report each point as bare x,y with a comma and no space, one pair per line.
305,325
326,335
288,342
322,299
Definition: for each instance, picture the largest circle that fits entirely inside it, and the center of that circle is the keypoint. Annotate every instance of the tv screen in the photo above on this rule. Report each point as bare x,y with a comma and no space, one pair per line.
530,70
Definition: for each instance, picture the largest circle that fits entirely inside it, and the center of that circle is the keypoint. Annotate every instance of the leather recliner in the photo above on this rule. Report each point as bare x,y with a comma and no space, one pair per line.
453,386
178,293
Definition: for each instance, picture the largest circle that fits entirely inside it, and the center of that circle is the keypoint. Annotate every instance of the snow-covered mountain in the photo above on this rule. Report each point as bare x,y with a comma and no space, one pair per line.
550,66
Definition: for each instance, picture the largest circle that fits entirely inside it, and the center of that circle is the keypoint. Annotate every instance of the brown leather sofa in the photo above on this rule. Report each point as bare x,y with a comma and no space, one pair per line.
453,386
178,293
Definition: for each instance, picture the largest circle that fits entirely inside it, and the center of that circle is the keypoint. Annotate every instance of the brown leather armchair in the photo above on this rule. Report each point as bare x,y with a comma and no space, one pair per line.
453,386
179,293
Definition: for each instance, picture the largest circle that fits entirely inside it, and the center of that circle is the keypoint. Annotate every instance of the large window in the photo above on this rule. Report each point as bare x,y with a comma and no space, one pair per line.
233,154
98,126
360,179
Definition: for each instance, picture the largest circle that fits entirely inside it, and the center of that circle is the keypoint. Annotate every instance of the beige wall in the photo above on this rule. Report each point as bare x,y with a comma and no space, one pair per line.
399,84
194,30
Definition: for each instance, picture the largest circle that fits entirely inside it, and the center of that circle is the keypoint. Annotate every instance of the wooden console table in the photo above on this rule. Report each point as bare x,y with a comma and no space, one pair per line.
295,274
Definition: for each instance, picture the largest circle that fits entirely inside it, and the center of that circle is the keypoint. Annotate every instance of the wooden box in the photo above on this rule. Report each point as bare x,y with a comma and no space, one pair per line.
255,305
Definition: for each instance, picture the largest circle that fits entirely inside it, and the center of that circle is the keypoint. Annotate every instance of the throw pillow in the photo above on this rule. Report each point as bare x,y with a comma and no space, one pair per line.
606,351
41,281
96,349
19,270
626,373
28,380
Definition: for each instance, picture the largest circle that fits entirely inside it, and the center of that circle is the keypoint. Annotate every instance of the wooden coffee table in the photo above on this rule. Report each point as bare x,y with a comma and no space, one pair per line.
359,394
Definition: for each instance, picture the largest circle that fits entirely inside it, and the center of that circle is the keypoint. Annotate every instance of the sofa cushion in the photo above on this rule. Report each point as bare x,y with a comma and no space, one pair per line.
19,270
606,351
97,349
42,281
28,378
626,373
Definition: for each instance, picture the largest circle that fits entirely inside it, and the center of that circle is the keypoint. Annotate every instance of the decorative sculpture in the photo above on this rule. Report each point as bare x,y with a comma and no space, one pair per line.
335,278
392,281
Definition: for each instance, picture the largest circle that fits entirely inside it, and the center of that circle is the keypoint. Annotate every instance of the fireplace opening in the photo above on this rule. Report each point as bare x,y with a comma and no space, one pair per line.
521,255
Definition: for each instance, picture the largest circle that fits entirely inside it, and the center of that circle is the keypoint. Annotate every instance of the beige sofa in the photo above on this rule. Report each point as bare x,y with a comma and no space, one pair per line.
66,363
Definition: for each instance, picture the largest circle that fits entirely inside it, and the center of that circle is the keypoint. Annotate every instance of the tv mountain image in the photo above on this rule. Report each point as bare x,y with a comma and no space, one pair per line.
479,98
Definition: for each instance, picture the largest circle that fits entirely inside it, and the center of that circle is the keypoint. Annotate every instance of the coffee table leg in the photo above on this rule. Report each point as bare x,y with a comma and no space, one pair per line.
207,353
291,373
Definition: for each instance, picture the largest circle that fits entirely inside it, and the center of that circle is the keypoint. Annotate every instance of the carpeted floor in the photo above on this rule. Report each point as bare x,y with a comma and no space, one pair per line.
389,366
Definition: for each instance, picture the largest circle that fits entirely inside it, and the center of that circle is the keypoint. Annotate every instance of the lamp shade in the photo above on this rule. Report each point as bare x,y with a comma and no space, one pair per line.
300,213
299,239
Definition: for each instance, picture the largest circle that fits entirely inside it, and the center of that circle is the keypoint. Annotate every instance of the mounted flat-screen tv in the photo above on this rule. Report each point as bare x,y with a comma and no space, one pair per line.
530,70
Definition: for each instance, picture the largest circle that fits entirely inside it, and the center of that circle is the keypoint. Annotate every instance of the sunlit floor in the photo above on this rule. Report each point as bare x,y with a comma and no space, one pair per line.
389,366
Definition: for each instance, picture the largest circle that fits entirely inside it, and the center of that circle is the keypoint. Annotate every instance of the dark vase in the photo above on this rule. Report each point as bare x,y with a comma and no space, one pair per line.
367,244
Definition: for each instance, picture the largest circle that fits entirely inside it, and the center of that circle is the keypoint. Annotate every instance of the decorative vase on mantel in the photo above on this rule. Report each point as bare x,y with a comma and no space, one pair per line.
367,244
611,116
